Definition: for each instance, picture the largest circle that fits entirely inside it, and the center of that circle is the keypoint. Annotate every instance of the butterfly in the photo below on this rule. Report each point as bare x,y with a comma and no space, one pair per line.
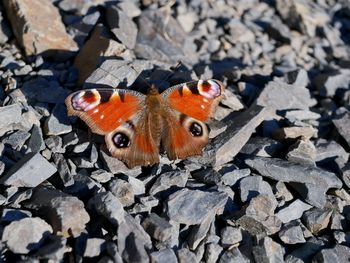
137,127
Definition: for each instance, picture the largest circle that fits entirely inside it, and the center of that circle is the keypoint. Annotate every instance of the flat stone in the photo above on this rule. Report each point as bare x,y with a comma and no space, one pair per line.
94,247
212,252
9,115
58,122
317,219
311,182
53,249
108,206
80,7
337,254
306,251
268,251
230,178
302,115
293,211
122,26
328,83
31,30
303,152
207,176
233,255
252,186
137,185
83,27
30,171
191,206
167,180
261,146
294,133
10,215
261,206
184,255
66,214
165,255
282,96
16,140
281,192
36,141
26,235
230,142
342,123
123,190
230,236
291,233
157,227
199,232
328,149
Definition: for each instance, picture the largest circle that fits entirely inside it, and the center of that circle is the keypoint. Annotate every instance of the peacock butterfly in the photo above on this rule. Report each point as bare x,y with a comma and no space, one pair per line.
135,125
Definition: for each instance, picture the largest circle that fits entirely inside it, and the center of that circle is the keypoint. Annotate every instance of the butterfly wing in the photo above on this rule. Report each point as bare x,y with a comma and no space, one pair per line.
190,106
121,116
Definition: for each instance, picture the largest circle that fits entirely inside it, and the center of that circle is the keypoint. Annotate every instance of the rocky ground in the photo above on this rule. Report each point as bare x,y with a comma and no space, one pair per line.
273,183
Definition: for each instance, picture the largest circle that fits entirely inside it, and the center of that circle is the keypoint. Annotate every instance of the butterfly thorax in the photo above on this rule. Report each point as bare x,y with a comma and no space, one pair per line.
154,108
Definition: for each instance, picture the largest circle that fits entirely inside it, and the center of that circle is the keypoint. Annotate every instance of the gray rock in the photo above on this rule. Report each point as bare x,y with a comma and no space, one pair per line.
261,146
10,214
137,185
199,232
230,178
157,227
281,192
230,142
306,251
327,149
102,176
311,182
303,152
328,83
293,211
30,171
184,255
191,206
261,206
123,190
54,143
54,249
165,255
252,186
108,206
233,255
268,251
26,235
17,139
9,115
5,31
63,169
134,251
58,122
177,178
94,247
66,214
291,233
317,219
122,26
207,176
282,96
337,254
83,28
342,123
230,236
36,141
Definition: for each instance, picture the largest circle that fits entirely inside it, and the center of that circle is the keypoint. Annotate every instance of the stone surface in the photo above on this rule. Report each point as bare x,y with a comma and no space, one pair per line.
253,186
157,227
26,235
191,206
30,171
292,211
317,219
165,255
230,236
337,254
291,233
342,123
58,122
31,30
268,251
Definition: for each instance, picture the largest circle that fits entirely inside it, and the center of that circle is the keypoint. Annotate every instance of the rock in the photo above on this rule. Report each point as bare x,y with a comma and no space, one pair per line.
291,233
26,235
342,123
253,186
230,236
294,133
108,206
282,96
187,21
66,214
233,255
31,30
9,115
30,171
333,80
99,45
282,192
306,251
5,31
230,178
301,115
16,140
307,180
184,255
212,252
326,149
191,206
54,249
303,152
94,247
292,211
80,7
261,146
157,227
230,142
137,185
58,122
207,176
134,250
261,206
36,142
165,255
122,26
337,254
10,215
169,180
123,191
317,219
268,251
199,232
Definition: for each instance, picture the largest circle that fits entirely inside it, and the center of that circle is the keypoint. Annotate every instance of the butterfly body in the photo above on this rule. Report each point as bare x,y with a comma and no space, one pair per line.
138,127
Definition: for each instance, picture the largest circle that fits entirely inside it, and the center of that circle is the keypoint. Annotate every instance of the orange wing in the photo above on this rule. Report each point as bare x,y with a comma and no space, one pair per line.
104,110
197,99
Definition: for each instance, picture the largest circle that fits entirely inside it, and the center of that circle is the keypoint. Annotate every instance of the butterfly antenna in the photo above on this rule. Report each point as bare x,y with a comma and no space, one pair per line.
139,76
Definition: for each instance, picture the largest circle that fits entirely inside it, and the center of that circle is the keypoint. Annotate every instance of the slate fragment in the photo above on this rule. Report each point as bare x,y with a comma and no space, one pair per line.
291,233
157,227
191,206
342,123
9,115
292,211
58,122
26,235
164,255
317,219
31,30
336,254
268,251
53,249
30,171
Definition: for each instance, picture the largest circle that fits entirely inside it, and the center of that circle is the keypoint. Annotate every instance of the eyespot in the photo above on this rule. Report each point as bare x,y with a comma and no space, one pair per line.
196,129
121,140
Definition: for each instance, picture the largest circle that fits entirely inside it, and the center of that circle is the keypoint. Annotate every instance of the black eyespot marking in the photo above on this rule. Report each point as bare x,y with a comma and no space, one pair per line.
196,129
121,140
105,95
121,96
